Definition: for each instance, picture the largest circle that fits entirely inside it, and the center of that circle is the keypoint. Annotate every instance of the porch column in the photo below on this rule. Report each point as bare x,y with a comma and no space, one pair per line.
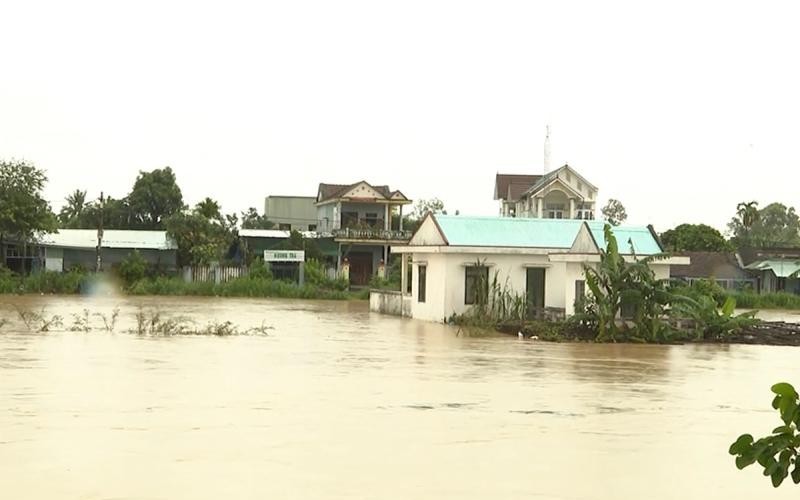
387,220
540,207
403,274
401,218
572,208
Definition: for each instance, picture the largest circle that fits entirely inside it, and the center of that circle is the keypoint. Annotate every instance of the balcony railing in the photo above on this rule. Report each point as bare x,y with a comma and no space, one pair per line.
371,234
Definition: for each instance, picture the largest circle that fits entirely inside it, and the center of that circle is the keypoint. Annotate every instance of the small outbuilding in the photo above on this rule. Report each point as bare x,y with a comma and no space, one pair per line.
725,268
77,248
543,259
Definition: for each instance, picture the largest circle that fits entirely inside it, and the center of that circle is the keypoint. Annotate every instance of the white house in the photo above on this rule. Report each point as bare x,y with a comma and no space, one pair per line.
541,258
560,194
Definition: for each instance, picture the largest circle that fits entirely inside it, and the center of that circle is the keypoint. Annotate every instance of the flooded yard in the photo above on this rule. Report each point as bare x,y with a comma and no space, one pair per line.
334,402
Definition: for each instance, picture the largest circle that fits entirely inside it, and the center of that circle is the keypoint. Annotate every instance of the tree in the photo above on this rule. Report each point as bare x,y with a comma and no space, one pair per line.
24,213
296,241
116,215
748,213
73,210
209,209
203,234
155,197
614,212
773,226
251,219
694,238
422,207
777,452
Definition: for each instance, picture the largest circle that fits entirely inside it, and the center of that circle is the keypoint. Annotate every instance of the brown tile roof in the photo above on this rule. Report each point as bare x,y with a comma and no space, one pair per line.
507,186
329,191
720,265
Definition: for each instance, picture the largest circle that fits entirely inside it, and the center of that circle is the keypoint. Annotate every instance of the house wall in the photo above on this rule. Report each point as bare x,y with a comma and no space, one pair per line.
326,217
297,211
446,280
87,258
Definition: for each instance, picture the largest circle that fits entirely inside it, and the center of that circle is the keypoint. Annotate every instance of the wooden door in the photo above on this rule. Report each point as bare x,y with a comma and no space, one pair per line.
535,289
360,268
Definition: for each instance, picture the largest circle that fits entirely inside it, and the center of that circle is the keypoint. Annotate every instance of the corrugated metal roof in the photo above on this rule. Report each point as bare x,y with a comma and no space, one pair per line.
640,237
781,268
508,231
112,238
538,233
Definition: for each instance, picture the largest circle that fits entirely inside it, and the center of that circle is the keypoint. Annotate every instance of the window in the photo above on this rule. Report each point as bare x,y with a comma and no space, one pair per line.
349,219
285,227
580,292
476,284
422,272
312,227
371,219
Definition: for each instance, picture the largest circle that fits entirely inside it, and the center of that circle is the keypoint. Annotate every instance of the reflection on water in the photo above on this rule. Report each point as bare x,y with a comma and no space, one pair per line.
336,402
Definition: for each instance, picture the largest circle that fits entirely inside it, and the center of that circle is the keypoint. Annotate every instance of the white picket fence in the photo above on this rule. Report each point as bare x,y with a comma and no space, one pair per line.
217,274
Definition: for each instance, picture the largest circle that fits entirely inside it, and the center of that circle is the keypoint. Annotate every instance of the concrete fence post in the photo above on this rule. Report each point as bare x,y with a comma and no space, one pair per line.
346,269
381,269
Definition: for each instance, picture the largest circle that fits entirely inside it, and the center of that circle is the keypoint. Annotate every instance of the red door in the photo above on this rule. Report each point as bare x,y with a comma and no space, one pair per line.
360,268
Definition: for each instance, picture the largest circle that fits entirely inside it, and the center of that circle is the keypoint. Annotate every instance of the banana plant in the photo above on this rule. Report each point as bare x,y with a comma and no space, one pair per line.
615,282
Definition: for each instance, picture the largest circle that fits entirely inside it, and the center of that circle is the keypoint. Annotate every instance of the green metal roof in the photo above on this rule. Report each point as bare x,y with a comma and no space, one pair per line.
781,268
537,233
640,237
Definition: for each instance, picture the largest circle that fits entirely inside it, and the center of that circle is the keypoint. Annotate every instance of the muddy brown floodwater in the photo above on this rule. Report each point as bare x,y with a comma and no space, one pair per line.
339,403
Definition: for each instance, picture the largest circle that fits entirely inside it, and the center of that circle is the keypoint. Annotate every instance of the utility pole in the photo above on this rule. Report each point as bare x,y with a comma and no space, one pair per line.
100,233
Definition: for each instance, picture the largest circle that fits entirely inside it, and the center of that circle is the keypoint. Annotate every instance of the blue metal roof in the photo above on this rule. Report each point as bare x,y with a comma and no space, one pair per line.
537,233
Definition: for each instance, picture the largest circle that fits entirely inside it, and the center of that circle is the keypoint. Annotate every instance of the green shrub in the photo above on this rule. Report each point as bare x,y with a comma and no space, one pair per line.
52,282
315,275
241,287
133,268
259,270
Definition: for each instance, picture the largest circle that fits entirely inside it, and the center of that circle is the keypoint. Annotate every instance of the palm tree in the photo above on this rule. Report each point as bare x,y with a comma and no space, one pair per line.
209,209
76,204
748,213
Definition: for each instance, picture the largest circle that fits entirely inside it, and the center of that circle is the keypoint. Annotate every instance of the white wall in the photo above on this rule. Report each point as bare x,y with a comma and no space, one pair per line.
433,309
446,280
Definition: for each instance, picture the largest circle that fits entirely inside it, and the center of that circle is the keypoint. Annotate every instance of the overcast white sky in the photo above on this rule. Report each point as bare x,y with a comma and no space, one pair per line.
680,109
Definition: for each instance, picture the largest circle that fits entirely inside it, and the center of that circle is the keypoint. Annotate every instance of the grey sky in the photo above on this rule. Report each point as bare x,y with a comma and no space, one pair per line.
679,109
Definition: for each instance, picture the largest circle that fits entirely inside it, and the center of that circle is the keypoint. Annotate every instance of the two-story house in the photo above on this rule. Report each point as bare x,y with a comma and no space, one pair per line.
560,194
365,220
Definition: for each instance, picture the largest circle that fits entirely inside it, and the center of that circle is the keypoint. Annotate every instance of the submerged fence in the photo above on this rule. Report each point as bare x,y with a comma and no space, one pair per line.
216,274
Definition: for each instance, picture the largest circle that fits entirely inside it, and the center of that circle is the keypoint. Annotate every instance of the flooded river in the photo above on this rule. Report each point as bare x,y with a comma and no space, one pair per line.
334,402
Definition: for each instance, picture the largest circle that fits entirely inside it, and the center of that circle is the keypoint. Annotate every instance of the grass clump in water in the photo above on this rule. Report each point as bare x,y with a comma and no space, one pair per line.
39,321
777,300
